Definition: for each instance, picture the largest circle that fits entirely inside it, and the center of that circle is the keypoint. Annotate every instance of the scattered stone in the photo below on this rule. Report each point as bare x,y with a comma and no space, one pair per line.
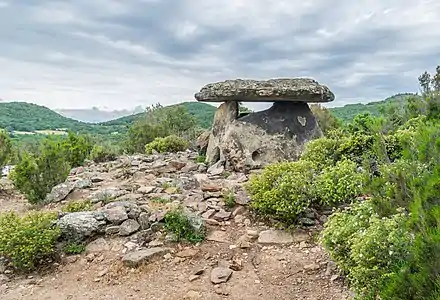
136,258
252,233
146,189
218,236
306,221
144,221
311,267
222,215
112,230
276,237
192,295
79,225
128,227
187,253
217,168
60,192
97,246
208,214
193,278
212,222
220,275
334,278
116,215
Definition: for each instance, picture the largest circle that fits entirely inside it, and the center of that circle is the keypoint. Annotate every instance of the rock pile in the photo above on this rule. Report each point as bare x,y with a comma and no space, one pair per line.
254,140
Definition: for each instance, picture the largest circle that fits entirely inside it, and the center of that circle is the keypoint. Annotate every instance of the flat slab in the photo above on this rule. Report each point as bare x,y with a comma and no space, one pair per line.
136,258
272,90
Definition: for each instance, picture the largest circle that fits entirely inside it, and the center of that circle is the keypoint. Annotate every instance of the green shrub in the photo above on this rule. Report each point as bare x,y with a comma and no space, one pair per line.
201,159
356,147
77,206
184,226
366,247
338,184
73,248
28,240
76,149
282,190
229,198
35,176
321,152
100,154
170,143
5,148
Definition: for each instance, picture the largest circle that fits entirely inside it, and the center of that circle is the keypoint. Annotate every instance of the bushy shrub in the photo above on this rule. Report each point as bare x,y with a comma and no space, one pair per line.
76,149
100,154
356,147
35,176
5,148
283,190
25,241
366,247
160,122
170,143
338,184
77,206
322,152
184,226
73,248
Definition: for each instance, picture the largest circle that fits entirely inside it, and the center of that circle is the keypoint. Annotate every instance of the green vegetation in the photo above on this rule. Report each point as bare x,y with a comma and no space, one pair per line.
74,248
77,206
27,241
37,173
5,148
170,144
101,154
184,226
161,122
229,198
386,172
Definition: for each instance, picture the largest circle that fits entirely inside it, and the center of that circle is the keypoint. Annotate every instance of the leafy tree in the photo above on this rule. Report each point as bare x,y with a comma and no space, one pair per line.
36,175
160,122
76,149
5,148
326,120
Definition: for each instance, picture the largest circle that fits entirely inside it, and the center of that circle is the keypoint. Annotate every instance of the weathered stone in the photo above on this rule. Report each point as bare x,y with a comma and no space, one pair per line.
218,236
146,189
202,141
60,192
220,275
260,138
222,215
116,215
217,168
79,225
83,183
281,89
112,230
128,227
144,221
136,258
98,245
277,237
107,194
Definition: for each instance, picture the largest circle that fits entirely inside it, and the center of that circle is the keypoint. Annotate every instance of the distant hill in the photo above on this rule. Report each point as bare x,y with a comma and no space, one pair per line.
203,113
26,117
347,112
96,115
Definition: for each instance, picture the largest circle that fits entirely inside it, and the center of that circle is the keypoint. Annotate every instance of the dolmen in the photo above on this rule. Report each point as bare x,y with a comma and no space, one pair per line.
242,142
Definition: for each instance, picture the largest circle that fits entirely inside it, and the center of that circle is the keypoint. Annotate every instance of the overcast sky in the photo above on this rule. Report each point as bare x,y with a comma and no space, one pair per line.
119,54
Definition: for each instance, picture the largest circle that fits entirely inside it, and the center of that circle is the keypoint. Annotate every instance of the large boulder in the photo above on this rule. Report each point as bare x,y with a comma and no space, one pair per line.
260,138
81,225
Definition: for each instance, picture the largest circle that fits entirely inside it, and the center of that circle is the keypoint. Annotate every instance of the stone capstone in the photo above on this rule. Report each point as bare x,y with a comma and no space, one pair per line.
281,89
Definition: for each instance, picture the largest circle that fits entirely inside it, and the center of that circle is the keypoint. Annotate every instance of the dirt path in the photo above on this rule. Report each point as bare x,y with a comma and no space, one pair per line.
262,272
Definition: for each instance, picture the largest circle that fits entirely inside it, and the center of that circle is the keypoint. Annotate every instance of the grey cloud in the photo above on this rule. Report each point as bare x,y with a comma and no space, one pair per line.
122,54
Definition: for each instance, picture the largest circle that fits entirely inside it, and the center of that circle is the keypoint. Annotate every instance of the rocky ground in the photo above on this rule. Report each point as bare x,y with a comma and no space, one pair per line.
130,257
